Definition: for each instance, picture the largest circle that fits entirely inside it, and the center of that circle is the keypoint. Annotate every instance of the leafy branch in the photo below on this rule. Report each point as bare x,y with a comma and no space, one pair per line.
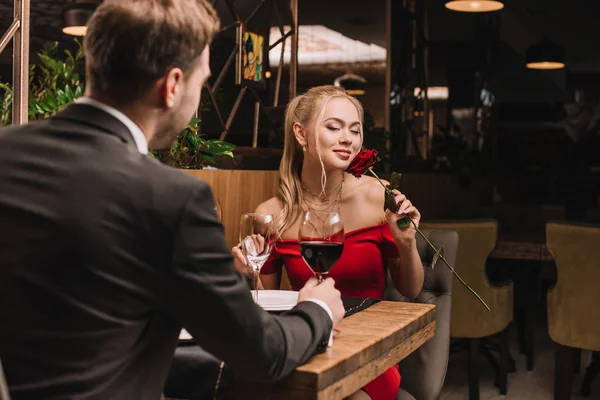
52,86
191,150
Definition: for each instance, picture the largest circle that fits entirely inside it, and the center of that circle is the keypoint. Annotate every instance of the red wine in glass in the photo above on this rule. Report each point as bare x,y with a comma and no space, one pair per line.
321,256
321,240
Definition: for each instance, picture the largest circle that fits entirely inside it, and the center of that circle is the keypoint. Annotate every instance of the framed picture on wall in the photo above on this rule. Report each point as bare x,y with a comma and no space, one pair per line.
251,56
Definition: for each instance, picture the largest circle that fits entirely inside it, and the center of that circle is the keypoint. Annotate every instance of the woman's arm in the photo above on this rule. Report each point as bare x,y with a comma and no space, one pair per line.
270,281
407,270
405,267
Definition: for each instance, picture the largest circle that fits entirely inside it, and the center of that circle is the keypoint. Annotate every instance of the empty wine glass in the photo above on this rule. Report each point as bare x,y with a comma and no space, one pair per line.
257,237
321,240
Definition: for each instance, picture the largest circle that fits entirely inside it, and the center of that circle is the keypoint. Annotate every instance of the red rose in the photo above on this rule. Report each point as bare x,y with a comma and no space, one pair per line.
362,162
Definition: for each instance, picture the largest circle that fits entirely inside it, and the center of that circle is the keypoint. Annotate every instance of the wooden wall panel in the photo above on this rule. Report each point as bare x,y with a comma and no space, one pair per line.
238,192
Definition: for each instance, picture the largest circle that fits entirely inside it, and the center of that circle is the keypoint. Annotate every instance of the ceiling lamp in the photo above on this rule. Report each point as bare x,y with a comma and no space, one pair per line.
474,5
76,16
352,83
545,55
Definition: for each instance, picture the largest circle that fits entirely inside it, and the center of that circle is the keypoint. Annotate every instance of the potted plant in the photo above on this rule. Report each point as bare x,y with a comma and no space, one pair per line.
55,83
192,151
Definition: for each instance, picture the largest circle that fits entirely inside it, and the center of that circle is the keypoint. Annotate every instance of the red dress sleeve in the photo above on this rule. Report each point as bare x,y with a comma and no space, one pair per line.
388,245
273,264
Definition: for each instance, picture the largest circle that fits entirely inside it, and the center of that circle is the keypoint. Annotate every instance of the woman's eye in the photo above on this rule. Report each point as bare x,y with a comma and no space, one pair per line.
356,132
333,128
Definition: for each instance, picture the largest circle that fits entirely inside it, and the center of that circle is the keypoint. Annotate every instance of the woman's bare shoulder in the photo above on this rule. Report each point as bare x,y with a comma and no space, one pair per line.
369,199
372,191
271,206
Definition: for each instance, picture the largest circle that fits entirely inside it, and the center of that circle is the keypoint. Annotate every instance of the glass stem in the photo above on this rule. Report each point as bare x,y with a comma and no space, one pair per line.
255,284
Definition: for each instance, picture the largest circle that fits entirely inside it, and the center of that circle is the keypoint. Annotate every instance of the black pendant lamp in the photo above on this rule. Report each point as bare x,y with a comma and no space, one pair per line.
76,15
545,55
474,6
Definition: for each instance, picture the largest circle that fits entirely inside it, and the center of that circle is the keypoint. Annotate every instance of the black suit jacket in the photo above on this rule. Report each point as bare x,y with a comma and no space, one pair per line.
105,254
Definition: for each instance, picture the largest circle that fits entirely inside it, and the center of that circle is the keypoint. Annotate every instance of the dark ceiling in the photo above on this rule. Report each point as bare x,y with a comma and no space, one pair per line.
521,24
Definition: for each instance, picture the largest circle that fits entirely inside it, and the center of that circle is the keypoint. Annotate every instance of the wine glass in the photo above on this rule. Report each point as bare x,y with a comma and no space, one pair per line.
321,240
257,237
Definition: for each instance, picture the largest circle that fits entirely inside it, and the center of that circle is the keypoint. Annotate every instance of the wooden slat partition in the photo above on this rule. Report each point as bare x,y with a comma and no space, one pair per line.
238,191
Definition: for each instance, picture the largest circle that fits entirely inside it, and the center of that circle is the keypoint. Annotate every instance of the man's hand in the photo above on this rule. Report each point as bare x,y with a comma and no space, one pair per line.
327,293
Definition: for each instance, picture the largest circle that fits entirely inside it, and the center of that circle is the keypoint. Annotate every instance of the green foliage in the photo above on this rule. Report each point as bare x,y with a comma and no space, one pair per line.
192,151
53,85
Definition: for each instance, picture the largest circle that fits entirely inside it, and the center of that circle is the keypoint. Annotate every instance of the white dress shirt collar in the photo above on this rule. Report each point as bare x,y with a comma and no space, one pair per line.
138,136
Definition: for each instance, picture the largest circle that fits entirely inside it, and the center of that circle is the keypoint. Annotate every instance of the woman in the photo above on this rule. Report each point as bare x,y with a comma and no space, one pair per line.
323,133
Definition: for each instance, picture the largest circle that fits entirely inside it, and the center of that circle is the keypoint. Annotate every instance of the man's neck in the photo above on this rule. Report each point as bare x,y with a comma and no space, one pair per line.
134,112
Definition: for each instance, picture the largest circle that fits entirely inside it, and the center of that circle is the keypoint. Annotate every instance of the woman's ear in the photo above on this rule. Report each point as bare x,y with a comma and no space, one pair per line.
300,135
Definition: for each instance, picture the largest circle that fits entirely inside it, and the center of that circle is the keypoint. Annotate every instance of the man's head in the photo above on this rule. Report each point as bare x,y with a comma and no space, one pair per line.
152,53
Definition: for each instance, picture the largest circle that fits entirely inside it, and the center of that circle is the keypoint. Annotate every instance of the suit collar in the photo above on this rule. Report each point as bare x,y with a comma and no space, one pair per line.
92,116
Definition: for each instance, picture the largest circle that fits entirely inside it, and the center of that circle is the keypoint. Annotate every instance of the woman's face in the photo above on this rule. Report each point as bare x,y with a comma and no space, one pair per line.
339,135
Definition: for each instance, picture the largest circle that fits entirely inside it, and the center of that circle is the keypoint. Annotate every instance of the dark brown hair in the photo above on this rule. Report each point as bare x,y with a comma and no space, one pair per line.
131,43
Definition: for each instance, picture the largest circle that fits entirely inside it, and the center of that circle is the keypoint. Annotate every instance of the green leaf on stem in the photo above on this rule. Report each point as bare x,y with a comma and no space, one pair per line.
395,181
436,256
390,202
403,223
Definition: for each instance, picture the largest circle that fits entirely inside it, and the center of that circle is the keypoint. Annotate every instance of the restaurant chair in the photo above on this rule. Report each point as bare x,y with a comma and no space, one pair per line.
423,372
475,327
573,315
4,394
591,373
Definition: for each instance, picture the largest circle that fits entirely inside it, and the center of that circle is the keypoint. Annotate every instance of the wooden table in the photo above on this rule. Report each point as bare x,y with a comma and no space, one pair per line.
528,246
521,250
369,343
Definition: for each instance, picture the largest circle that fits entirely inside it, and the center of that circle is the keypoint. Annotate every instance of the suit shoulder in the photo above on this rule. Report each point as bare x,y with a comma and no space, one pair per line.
6,131
174,184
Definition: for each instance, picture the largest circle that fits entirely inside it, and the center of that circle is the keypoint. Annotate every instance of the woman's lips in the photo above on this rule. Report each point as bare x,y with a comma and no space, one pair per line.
343,154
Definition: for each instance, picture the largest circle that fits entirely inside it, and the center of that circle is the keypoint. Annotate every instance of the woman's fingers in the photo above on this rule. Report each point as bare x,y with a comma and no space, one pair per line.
239,260
259,243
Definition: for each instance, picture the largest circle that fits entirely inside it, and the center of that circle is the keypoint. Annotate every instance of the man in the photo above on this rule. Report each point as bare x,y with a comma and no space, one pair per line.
106,253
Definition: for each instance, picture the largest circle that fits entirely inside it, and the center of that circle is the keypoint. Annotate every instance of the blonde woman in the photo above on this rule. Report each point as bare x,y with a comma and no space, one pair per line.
323,133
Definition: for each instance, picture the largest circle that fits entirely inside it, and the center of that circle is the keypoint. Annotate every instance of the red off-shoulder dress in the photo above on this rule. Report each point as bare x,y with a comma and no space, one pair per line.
360,272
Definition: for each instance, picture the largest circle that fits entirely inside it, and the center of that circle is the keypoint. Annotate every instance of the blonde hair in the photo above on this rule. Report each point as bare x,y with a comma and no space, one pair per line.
304,109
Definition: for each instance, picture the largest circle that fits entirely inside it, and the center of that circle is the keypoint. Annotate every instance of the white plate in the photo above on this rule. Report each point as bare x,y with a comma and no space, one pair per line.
277,300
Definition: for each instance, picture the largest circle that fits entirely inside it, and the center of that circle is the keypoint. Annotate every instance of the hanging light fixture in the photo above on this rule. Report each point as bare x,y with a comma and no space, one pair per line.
352,83
76,15
545,55
474,5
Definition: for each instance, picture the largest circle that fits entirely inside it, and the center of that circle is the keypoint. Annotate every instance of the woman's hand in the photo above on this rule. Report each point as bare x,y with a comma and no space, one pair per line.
255,246
240,262
405,208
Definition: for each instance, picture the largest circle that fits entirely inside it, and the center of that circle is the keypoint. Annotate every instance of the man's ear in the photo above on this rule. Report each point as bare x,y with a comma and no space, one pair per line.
172,85
300,134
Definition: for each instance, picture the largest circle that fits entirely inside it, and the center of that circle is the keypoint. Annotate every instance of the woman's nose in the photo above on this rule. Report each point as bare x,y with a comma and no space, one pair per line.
346,138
